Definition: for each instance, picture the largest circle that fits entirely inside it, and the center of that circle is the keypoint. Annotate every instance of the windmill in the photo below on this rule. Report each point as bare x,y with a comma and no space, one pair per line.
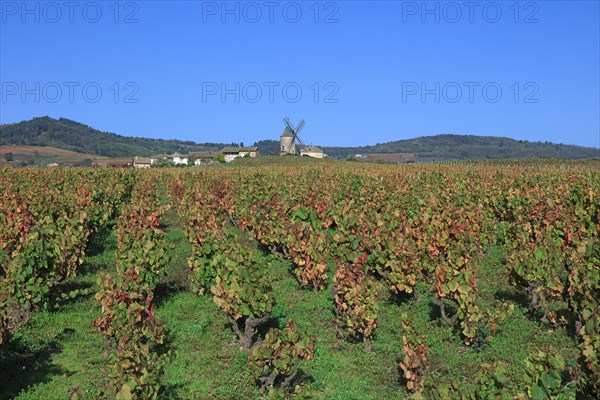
289,136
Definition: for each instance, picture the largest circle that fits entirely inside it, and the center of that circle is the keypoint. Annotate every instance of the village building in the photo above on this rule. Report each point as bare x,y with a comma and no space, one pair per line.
175,158
142,162
202,157
179,159
231,153
312,151
118,162
158,158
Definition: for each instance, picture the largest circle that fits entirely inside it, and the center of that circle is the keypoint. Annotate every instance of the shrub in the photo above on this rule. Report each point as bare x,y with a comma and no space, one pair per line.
132,330
275,360
355,298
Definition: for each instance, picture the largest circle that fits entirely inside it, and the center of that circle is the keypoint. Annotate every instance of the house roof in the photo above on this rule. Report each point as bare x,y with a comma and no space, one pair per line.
113,161
202,154
142,160
231,149
169,155
311,149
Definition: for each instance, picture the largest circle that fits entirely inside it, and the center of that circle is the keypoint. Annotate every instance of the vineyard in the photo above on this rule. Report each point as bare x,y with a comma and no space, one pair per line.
314,280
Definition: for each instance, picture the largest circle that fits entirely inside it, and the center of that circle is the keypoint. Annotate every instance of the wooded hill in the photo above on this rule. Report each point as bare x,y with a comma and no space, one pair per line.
71,135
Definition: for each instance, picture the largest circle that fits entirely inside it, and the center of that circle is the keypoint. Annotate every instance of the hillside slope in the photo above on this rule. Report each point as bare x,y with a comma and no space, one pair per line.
42,155
71,135
462,147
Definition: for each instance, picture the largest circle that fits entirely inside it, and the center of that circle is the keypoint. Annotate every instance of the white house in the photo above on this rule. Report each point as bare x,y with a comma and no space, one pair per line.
231,153
176,158
202,157
158,157
312,151
142,162
179,159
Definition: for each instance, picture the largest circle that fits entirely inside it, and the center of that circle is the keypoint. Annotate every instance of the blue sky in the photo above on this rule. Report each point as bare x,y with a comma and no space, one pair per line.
358,72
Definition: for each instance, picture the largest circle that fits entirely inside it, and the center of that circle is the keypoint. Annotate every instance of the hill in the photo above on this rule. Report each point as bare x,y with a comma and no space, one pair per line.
19,154
456,147
70,135
462,147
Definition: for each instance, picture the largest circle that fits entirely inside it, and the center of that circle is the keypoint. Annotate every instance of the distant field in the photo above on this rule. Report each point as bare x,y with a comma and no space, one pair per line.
42,154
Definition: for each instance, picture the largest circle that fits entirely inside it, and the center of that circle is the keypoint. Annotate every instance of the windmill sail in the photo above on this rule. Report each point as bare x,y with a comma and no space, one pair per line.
290,135
297,132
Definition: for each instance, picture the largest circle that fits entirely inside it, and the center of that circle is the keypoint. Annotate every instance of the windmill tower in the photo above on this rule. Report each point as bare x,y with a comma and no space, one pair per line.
287,142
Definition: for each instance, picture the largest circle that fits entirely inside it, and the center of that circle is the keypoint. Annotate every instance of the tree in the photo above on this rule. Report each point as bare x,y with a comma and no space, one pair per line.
164,162
9,157
219,157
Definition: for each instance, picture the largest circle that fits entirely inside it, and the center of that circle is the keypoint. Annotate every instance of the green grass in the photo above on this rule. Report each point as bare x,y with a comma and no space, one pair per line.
58,350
